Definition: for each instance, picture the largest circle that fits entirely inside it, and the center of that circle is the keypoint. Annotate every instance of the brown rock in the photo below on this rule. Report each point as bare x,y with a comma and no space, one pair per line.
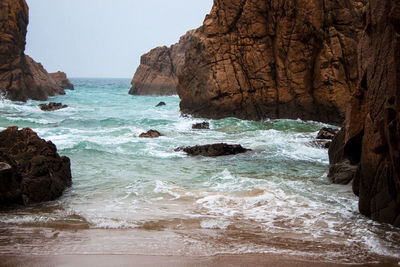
254,59
201,126
213,150
61,79
151,134
327,133
52,106
157,72
371,134
30,168
21,78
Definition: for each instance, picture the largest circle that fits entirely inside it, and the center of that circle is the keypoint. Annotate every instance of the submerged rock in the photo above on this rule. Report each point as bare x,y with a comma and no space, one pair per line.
202,125
150,134
213,150
31,170
161,104
52,106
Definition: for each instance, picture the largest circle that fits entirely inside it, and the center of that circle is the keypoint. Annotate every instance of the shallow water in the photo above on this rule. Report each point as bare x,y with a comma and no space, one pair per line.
274,199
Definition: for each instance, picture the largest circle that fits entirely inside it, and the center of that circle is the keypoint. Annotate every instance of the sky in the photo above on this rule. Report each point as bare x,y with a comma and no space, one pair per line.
105,38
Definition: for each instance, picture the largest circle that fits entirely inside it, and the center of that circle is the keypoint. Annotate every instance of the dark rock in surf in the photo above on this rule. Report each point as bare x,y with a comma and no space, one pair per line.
213,150
161,104
150,134
52,106
321,143
201,126
31,170
327,133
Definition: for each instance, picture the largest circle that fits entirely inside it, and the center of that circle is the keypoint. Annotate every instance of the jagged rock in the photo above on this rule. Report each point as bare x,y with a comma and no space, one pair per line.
21,78
255,59
342,172
157,72
201,126
30,168
213,150
327,133
370,136
61,79
161,104
52,106
321,143
151,134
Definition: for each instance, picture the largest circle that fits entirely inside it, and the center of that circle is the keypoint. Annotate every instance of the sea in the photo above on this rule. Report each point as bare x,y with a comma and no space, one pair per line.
134,195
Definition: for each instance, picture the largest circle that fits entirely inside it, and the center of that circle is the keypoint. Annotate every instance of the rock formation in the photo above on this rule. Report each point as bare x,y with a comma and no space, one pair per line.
157,72
61,79
213,150
256,59
21,78
370,140
201,126
150,134
30,168
52,106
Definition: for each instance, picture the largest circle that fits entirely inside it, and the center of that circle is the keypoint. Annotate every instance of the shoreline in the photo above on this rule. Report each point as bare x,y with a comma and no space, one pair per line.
148,260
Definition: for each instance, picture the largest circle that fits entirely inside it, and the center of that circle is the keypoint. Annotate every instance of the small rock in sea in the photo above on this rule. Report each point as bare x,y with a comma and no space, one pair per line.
201,126
321,143
161,104
213,150
52,106
327,133
151,134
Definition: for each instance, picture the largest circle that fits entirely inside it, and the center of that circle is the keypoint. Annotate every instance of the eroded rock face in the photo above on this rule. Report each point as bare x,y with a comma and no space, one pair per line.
213,150
21,78
370,138
30,168
62,80
255,59
157,72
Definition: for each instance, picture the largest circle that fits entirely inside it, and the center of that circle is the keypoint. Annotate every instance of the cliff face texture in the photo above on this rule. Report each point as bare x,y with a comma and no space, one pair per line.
157,72
21,78
370,138
256,59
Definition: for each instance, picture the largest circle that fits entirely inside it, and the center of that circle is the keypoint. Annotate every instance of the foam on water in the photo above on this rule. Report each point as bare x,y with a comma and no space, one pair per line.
278,194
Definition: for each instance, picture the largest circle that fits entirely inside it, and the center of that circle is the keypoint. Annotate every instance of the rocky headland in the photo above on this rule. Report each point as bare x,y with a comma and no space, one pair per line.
256,59
31,170
367,149
157,72
21,78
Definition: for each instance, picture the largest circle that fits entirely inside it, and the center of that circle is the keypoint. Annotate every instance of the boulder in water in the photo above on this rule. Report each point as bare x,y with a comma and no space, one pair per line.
31,170
213,150
201,126
327,133
151,134
52,106
161,104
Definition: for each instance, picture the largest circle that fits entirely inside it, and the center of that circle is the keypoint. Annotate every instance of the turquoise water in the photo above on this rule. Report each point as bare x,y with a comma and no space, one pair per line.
274,199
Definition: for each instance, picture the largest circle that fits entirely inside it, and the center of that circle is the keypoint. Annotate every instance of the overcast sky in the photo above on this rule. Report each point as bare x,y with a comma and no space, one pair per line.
105,38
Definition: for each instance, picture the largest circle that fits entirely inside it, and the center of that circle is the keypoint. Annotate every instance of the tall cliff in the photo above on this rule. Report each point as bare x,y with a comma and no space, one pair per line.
157,72
21,78
256,59
370,138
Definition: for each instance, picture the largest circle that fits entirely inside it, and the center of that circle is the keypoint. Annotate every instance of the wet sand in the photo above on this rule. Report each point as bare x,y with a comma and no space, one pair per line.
142,260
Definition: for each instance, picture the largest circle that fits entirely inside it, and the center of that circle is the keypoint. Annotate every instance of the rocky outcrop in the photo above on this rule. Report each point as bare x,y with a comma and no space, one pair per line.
21,78
157,72
52,106
256,59
214,150
61,79
201,126
370,138
30,168
150,134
